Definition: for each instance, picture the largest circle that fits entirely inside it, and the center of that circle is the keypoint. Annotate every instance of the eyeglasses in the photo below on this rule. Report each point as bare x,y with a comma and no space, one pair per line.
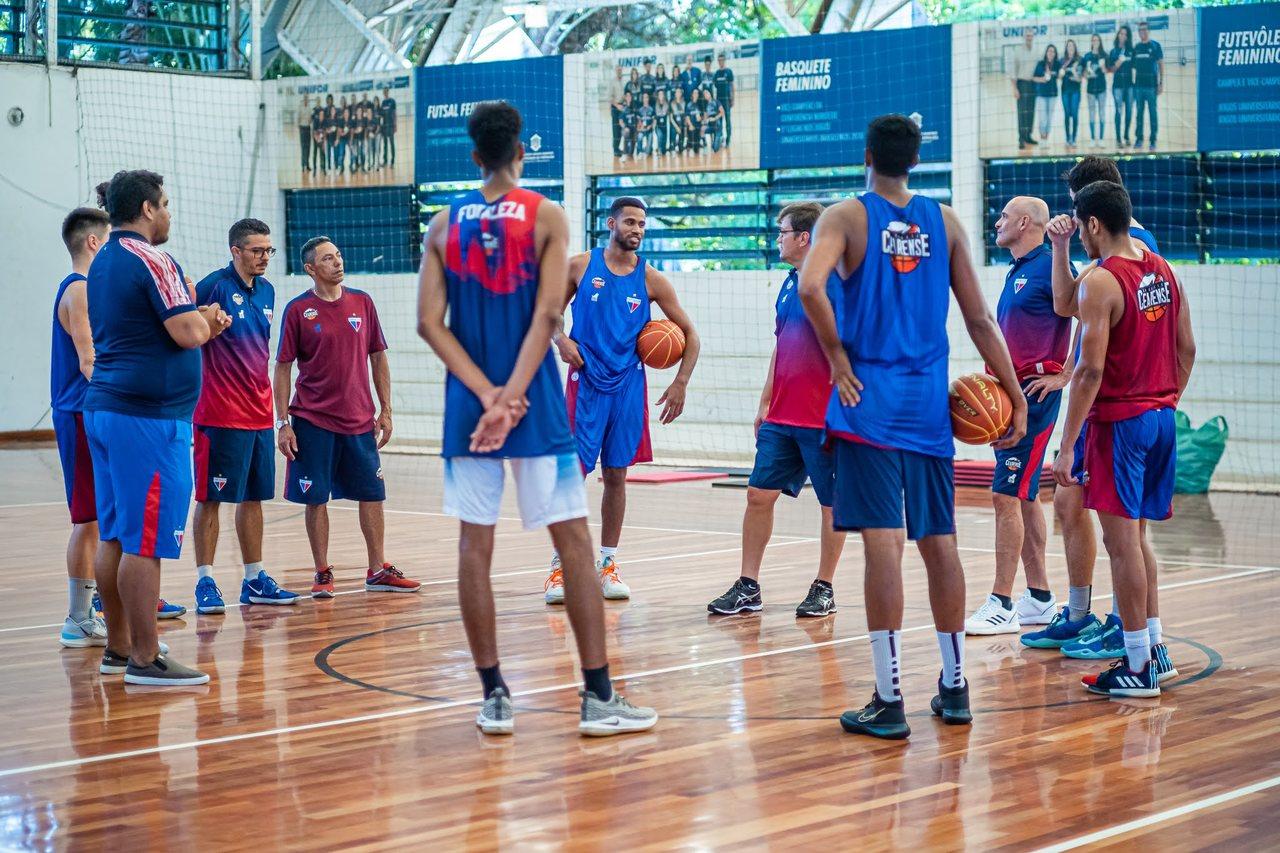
269,252
782,231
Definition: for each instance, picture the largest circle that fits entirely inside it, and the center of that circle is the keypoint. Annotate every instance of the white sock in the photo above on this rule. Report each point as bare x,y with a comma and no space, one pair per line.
1078,601
1155,630
251,571
80,598
1137,647
884,655
607,553
952,646
204,571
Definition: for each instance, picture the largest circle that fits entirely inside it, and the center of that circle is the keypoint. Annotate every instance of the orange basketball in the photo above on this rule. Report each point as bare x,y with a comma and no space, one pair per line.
661,343
1154,313
980,409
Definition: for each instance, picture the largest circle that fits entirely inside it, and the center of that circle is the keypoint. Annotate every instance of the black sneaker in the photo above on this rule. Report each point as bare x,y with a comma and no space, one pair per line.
737,600
164,672
115,664
952,704
821,601
879,718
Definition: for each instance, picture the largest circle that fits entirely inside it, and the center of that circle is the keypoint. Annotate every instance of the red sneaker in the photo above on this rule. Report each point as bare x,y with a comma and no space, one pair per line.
389,579
323,587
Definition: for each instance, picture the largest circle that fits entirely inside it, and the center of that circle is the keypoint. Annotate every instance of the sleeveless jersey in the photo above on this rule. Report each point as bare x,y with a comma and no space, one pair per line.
1144,237
609,310
1141,369
491,272
67,385
893,325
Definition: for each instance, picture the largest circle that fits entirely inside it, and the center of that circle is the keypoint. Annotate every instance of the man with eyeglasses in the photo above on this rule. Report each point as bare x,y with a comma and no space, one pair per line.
234,439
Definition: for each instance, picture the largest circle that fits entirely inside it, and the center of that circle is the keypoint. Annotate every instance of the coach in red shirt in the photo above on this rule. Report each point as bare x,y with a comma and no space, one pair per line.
333,333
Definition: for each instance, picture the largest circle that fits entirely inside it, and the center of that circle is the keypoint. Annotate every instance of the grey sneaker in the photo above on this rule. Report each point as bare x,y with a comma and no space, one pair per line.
738,599
496,716
164,672
82,635
615,717
114,664
821,601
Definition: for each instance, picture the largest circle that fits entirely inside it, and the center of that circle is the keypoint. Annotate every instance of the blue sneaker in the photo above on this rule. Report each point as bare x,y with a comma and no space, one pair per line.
165,610
1119,680
263,590
97,604
82,635
1105,641
1061,630
1163,663
209,597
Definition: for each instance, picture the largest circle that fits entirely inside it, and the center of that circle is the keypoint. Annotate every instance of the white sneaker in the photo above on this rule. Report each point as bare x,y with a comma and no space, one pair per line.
496,716
1033,612
610,584
82,635
992,618
553,589
615,717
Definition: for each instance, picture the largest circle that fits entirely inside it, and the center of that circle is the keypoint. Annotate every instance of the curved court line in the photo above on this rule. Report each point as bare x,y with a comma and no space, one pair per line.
444,706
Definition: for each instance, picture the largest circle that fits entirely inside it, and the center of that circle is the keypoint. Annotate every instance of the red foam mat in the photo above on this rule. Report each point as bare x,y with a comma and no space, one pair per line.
658,475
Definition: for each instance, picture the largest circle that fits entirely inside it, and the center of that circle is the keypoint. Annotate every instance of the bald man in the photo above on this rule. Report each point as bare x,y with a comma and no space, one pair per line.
1038,340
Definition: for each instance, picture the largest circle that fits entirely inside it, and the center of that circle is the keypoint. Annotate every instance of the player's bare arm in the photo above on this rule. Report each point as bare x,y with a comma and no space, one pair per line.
381,367
566,346
73,315
194,329
982,327
663,293
1101,304
1186,341
827,252
281,385
1065,285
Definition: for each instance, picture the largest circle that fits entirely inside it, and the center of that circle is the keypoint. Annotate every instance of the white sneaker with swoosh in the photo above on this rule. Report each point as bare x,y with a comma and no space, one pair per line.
615,717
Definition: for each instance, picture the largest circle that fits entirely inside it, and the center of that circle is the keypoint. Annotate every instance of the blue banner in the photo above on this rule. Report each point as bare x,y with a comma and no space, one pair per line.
446,94
1239,77
817,93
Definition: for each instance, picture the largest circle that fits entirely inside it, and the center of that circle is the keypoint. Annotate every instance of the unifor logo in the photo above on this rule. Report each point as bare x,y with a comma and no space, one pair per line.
535,143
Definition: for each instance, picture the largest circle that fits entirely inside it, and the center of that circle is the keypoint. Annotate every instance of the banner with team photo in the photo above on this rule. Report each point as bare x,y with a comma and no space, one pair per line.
1239,77
819,92
1103,84
448,93
345,131
692,108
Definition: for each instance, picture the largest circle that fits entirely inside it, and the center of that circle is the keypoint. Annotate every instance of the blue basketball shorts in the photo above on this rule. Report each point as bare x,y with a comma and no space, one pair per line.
235,465
333,465
786,455
878,487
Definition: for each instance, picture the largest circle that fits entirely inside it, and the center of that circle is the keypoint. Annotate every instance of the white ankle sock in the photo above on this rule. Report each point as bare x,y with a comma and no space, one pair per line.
1078,601
952,647
80,598
1137,647
251,571
606,553
1155,630
884,655
204,571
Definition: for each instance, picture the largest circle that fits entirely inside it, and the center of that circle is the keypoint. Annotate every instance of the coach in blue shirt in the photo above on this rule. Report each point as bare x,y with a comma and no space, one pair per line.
147,334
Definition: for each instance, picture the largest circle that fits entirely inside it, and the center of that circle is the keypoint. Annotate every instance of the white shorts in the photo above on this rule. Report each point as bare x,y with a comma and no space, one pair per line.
549,489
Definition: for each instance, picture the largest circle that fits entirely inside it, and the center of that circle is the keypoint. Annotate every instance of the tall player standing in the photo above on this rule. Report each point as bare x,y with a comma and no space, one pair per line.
610,290
495,262
234,441
789,441
84,232
1136,355
1076,631
901,256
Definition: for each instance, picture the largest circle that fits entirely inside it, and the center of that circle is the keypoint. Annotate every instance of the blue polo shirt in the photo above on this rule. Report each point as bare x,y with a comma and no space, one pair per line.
236,392
138,369
1037,337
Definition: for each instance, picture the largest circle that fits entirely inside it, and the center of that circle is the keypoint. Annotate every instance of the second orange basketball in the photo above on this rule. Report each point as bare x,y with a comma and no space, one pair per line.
660,344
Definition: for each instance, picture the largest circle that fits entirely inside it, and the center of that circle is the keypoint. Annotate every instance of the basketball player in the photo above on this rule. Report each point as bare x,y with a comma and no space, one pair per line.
1136,355
495,262
789,442
1076,631
234,440
1038,340
84,232
901,256
610,290
333,442
147,334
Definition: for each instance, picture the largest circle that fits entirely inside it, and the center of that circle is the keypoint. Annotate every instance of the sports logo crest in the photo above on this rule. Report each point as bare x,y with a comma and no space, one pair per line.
597,282
304,484
905,243
1019,283
219,483
1013,463
178,536
237,298
355,322
633,302
310,314
1155,295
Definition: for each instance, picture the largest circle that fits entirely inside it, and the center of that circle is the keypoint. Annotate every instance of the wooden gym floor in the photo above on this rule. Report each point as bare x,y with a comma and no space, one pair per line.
348,724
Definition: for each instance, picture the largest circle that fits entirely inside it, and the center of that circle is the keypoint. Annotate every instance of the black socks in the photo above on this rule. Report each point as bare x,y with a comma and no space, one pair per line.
491,678
597,681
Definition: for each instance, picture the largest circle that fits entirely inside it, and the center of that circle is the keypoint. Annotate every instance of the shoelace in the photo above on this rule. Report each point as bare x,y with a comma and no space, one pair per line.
610,570
324,577
555,579
216,591
391,570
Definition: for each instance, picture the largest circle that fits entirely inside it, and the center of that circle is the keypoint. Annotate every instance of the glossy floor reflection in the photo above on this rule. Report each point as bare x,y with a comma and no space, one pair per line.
348,723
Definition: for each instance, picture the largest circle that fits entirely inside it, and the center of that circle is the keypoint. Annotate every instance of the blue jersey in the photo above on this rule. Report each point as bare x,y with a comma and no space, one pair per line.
67,385
894,328
138,368
491,271
609,310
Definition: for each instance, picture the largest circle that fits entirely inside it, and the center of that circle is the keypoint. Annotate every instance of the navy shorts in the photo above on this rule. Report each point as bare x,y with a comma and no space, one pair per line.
1077,464
1017,472
77,465
876,487
1130,466
235,465
785,455
610,427
142,481
333,464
